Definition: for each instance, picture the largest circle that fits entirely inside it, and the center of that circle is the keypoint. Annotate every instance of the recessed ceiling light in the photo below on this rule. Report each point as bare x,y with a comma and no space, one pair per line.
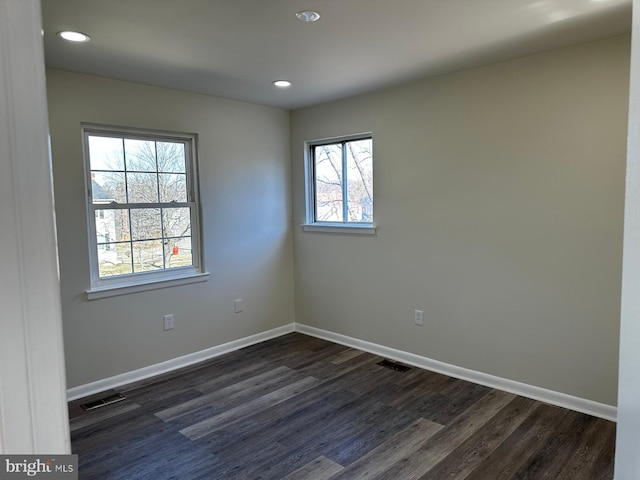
282,83
74,36
308,16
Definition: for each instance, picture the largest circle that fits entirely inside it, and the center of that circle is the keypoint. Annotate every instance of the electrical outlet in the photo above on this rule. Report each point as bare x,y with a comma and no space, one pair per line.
418,317
237,305
168,322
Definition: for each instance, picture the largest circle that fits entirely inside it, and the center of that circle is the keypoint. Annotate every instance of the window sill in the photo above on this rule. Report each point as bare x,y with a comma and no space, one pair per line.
125,289
344,228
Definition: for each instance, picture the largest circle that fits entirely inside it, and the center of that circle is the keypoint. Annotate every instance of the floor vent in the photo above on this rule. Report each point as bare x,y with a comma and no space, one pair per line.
103,402
398,367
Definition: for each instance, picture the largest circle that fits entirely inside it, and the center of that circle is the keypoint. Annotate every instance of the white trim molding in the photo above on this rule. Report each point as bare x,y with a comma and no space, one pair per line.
559,399
564,400
122,289
345,228
627,462
33,411
174,364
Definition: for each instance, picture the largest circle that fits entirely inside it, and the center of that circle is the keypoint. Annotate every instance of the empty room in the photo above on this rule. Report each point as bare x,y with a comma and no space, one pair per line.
321,240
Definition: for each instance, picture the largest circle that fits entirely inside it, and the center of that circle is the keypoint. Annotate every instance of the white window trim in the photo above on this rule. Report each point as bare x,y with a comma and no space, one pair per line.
333,227
310,225
140,282
125,289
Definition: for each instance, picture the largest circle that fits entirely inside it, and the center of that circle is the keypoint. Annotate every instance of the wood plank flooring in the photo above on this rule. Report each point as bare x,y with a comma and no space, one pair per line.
301,408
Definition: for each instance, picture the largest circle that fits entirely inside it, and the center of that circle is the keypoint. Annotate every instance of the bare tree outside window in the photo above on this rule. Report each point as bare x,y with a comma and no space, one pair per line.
140,194
343,181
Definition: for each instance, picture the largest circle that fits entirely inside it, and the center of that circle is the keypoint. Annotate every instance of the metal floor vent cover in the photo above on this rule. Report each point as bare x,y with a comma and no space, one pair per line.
398,367
103,402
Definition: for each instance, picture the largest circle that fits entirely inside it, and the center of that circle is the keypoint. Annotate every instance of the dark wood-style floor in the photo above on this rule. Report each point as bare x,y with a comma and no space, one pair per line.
298,407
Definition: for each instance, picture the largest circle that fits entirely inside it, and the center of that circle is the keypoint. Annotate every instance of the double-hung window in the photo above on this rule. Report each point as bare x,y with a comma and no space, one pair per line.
340,184
143,212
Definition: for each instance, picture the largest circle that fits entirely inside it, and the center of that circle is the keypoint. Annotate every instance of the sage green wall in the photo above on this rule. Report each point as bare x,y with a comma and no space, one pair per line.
246,201
498,199
499,203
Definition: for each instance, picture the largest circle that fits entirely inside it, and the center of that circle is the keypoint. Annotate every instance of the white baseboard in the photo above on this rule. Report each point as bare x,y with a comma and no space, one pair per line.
173,364
564,400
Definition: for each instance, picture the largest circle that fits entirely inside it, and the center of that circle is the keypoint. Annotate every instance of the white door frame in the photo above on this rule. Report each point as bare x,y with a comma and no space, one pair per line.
628,432
33,411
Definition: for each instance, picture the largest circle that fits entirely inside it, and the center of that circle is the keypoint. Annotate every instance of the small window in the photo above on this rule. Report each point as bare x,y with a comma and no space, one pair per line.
340,182
142,206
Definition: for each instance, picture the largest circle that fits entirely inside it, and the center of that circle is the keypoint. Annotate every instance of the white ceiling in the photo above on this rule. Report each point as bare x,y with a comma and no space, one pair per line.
236,48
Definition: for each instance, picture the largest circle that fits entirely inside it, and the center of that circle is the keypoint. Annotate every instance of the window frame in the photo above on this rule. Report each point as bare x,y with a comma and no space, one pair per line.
311,223
148,280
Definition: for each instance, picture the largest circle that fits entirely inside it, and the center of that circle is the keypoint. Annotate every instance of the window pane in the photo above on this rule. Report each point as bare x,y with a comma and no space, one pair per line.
173,187
176,221
143,187
133,169
112,225
106,153
328,182
107,187
147,255
171,157
140,155
145,224
178,252
114,259
360,180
